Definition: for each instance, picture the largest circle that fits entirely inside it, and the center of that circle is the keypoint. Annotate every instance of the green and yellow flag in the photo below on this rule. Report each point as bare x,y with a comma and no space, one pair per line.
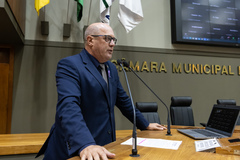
79,9
40,3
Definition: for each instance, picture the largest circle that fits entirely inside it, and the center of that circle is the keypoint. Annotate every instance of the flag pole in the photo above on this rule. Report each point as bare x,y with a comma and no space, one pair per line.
44,23
67,12
67,25
44,13
85,26
89,11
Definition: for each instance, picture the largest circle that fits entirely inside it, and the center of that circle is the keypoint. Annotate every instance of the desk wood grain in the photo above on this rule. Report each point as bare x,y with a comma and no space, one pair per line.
11,144
21,143
185,151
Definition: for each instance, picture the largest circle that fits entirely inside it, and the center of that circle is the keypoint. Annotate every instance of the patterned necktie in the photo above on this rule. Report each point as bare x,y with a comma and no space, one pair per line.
104,74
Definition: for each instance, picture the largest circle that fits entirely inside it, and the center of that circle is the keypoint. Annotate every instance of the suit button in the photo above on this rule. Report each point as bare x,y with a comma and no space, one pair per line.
109,132
69,147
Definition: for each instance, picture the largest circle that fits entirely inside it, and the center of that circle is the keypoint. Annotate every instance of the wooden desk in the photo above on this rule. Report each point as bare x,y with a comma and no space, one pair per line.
237,129
229,148
185,151
11,144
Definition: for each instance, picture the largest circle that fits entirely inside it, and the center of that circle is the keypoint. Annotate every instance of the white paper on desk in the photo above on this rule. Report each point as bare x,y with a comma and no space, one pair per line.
157,143
206,144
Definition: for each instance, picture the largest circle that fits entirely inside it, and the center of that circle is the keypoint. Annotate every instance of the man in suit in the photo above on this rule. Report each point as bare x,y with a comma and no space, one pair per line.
84,119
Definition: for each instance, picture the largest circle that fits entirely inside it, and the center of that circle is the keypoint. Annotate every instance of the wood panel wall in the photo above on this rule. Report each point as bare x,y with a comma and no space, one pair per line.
6,88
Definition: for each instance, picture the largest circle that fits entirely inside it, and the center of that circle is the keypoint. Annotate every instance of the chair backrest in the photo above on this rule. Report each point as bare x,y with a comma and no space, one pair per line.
181,111
229,102
149,111
226,101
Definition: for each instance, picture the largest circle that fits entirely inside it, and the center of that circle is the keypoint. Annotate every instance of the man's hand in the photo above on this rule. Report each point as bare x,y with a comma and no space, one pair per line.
95,152
155,126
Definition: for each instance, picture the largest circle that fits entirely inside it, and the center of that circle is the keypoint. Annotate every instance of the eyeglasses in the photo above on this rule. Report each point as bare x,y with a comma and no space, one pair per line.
107,38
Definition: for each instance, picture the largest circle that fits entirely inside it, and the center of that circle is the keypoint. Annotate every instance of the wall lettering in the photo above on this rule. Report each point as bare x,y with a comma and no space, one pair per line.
180,68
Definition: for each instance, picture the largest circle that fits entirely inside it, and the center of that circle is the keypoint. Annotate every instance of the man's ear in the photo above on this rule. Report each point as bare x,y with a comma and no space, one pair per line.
90,40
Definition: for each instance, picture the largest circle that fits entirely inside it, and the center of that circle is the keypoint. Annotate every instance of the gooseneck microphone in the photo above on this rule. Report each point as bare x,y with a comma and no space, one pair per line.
168,118
134,134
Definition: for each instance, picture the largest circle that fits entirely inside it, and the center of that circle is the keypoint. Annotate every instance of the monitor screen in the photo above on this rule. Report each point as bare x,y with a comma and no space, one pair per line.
223,118
209,22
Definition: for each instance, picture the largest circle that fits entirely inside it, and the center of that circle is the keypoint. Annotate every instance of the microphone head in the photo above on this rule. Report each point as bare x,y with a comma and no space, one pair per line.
119,62
125,64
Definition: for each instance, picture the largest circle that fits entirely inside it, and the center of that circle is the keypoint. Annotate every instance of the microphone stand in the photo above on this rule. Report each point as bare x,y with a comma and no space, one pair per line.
168,118
134,134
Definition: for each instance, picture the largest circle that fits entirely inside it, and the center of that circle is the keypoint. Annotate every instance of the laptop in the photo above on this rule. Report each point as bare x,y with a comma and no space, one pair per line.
221,123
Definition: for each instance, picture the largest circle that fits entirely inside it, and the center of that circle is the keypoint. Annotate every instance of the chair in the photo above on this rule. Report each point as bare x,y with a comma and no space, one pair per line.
149,111
226,101
181,111
229,102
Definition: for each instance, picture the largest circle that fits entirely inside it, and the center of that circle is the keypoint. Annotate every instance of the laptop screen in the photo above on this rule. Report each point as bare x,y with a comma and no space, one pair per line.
223,117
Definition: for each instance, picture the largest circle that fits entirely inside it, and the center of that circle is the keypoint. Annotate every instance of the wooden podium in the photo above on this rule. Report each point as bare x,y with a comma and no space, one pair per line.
185,151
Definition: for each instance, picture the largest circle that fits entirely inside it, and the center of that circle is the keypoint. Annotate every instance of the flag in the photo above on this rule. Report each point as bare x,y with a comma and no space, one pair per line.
130,13
40,3
105,6
79,9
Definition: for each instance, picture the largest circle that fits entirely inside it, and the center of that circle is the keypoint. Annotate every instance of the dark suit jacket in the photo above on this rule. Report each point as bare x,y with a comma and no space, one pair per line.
85,108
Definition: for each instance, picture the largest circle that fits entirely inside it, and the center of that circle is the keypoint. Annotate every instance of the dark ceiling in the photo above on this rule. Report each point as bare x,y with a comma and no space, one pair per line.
10,32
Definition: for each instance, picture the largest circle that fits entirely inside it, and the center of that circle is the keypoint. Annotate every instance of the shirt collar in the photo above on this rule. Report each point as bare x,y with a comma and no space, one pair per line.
93,59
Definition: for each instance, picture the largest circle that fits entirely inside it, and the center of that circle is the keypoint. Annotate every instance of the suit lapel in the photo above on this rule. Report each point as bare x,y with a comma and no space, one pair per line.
93,70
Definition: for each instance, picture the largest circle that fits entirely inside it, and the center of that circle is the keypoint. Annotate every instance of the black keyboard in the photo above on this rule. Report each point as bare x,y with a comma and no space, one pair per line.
208,134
